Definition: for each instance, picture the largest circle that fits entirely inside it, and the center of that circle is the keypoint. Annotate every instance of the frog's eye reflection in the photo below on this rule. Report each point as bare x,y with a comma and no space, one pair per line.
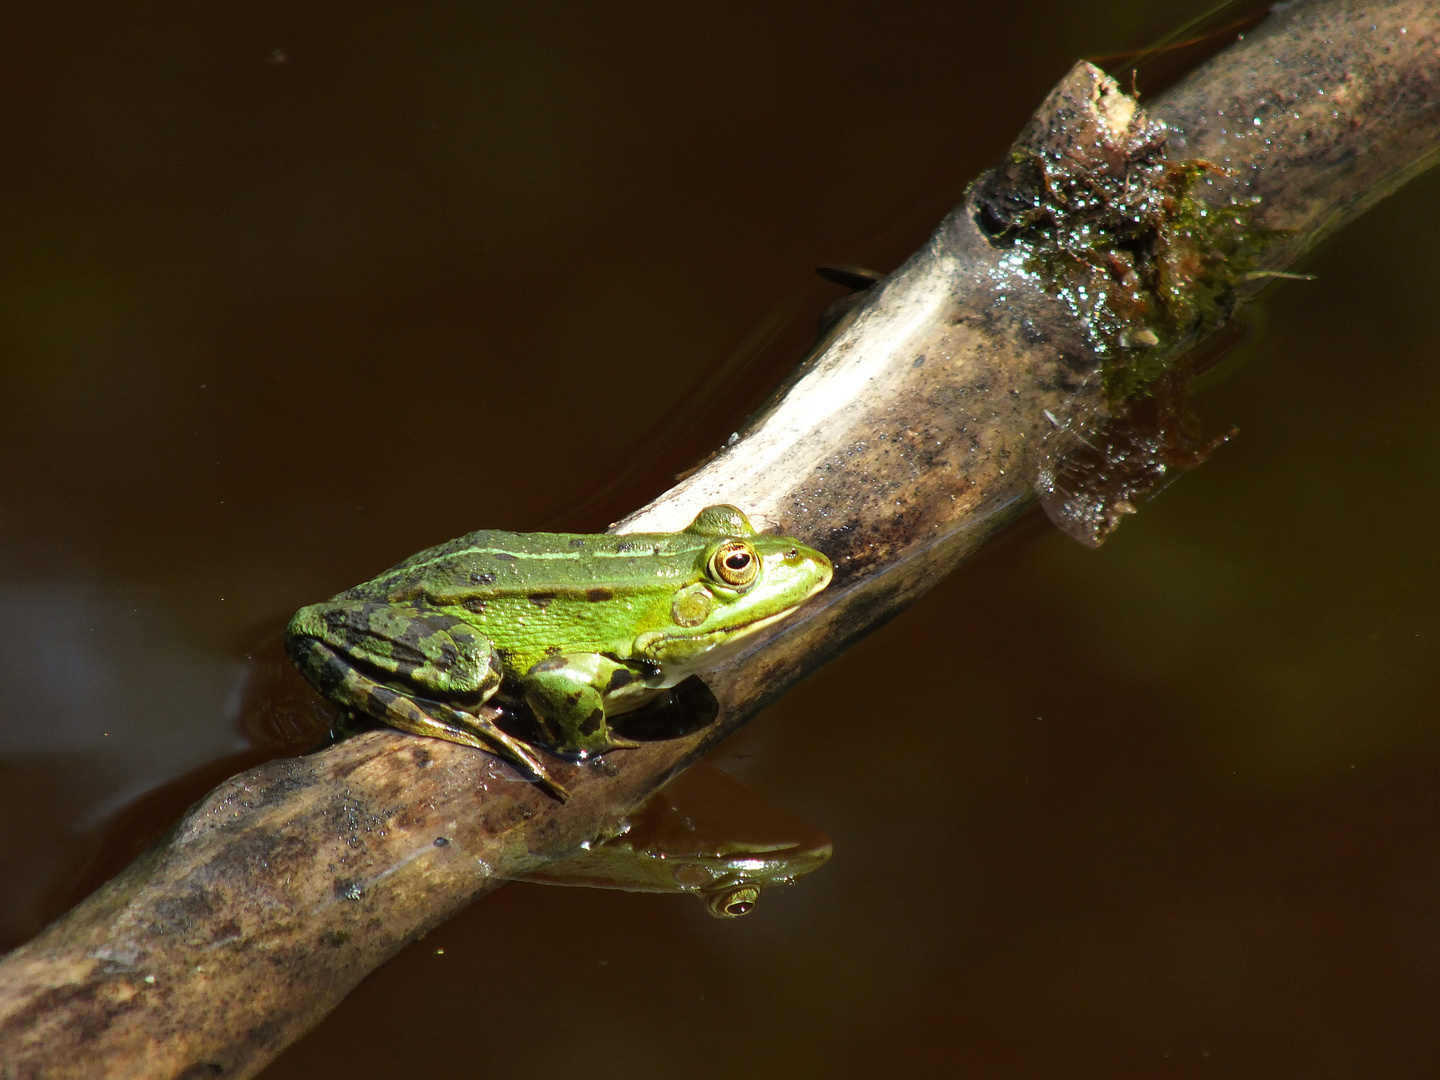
735,564
733,902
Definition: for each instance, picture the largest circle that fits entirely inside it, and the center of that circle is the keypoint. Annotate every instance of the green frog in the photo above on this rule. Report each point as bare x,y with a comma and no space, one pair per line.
578,627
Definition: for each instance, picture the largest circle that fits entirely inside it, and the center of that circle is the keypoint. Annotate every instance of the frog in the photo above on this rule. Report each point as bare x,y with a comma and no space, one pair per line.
579,627
705,834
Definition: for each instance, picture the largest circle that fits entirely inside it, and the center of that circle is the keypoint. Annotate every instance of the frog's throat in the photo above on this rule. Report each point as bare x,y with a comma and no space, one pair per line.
696,651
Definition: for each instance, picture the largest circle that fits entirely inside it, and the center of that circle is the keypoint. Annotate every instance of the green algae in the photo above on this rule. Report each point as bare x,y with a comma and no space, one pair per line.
1128,240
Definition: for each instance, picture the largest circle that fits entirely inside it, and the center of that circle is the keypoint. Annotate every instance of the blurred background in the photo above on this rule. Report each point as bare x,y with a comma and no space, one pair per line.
290,291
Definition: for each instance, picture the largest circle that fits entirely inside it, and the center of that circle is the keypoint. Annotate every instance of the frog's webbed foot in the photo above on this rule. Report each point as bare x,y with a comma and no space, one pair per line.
592,748
467,729
509,746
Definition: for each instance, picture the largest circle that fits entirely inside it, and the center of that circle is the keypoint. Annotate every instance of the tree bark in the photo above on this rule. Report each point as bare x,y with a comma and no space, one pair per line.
913,433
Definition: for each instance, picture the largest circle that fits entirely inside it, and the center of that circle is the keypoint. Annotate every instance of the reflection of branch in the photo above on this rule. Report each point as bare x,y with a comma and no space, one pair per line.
911,437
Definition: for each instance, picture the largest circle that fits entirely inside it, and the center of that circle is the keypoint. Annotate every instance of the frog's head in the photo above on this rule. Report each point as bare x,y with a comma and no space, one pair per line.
743,581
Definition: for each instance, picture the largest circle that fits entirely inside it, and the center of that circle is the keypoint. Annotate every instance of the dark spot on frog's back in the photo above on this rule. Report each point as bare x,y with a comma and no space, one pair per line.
623,546
619,678
474,605
478,578
599,594
505,555
542,600
577,542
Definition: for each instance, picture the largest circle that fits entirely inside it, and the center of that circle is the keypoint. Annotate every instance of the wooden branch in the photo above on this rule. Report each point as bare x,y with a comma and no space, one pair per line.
909,438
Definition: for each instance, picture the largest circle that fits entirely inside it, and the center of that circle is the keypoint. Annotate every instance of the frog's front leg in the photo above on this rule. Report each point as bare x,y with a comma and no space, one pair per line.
567,695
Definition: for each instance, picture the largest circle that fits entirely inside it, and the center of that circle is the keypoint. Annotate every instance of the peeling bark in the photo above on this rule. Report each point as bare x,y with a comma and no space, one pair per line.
910,436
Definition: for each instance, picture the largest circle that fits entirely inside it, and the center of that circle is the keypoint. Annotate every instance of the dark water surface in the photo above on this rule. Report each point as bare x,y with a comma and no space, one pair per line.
288,292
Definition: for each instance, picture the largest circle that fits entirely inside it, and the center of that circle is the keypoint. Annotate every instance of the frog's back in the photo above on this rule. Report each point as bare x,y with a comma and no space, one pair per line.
494,563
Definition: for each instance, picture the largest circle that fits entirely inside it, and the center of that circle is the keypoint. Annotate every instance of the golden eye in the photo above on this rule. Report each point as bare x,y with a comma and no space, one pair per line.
735,564
733,902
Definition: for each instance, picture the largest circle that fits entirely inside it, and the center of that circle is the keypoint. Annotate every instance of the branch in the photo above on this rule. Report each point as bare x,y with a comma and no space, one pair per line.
912,434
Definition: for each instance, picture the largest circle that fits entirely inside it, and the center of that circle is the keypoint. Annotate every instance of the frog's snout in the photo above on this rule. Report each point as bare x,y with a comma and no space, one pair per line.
827,571
817,563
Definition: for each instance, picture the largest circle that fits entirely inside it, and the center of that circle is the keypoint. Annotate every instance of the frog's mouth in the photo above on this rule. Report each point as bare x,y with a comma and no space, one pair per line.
681,655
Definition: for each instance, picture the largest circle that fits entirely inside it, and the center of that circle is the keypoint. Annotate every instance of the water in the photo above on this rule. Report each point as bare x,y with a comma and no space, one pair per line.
288,294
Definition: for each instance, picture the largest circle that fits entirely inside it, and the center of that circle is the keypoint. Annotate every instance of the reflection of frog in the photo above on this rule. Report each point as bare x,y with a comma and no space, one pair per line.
703,833
579,627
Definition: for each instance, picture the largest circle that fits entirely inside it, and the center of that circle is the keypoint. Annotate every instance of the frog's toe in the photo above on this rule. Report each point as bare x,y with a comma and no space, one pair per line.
505,744
591,746
597,737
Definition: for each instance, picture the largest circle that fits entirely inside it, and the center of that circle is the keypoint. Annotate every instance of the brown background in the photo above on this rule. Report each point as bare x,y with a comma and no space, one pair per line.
290,291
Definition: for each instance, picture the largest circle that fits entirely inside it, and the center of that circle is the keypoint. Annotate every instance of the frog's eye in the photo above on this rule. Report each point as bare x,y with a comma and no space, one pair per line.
733,902
735,564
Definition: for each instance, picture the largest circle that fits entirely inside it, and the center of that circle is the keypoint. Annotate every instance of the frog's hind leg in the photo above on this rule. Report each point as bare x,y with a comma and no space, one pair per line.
464,728
475,729
344,684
